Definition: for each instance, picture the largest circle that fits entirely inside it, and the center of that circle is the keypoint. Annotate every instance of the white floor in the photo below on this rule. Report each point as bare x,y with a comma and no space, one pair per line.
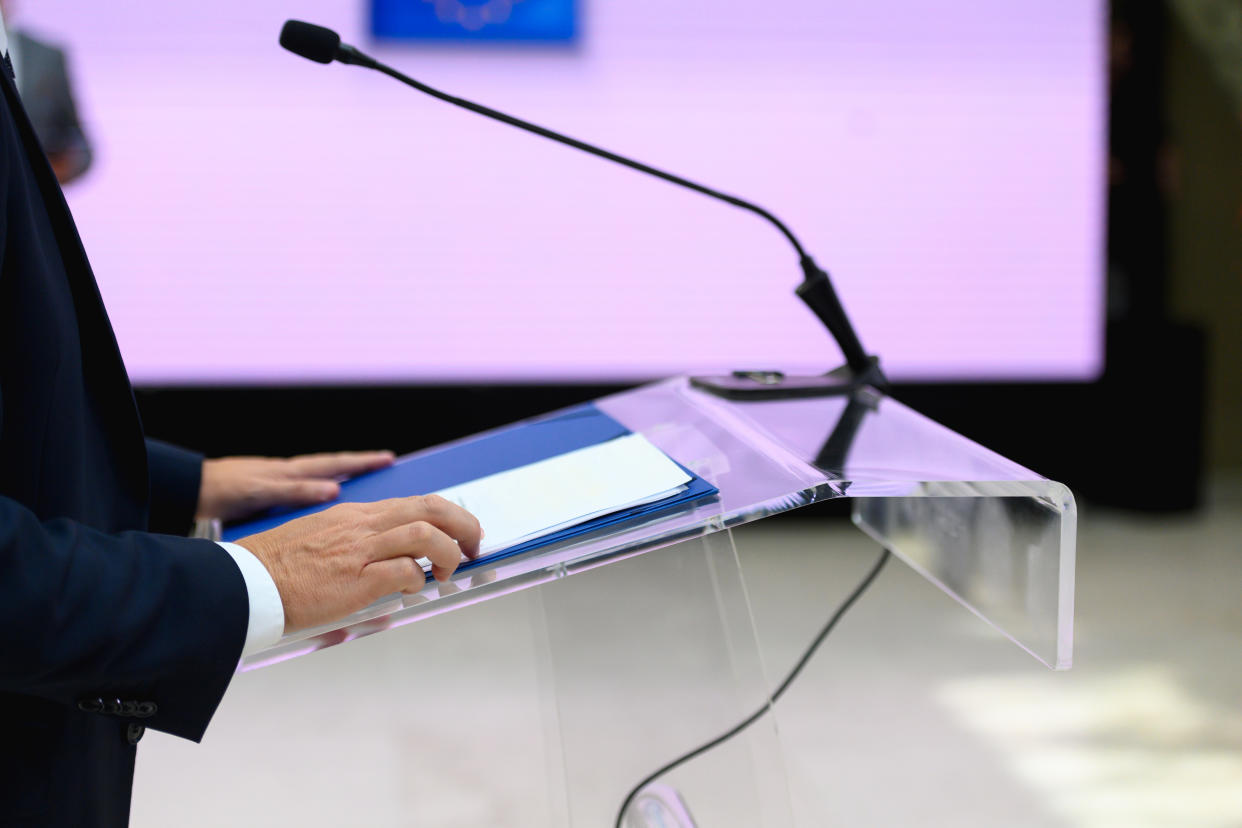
913,713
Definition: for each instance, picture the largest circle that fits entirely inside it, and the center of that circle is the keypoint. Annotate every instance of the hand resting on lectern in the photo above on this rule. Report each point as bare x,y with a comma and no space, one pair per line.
237,487
335,562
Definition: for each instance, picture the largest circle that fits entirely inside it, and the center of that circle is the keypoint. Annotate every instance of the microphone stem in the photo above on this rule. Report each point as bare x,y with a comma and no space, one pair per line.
816,290
593,150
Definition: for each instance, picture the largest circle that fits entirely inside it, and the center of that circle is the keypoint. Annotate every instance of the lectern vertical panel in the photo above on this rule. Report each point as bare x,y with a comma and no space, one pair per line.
1004,550
649,658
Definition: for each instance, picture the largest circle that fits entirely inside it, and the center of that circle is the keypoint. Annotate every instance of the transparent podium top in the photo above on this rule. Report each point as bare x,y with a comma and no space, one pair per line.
991,533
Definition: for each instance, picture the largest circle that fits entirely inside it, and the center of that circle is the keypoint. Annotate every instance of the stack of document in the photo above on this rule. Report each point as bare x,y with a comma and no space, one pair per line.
548,496
530,484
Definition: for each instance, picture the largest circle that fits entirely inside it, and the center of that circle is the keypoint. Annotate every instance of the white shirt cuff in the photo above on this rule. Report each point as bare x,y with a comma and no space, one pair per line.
267,611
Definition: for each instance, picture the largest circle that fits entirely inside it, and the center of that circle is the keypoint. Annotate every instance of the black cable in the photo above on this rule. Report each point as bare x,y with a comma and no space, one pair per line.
784,685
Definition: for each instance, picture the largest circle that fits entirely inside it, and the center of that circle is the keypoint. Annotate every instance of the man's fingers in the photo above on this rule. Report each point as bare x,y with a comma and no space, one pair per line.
392,575
300,492
448,517
341,464
417,540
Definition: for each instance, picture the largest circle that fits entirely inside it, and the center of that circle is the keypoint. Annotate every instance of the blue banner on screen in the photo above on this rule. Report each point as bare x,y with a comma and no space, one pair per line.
540,21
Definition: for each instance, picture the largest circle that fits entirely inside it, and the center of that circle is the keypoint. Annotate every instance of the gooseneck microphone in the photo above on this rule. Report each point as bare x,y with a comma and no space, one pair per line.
324,46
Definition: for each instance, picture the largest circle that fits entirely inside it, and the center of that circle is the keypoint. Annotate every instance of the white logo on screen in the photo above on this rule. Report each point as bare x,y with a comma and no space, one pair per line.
473,16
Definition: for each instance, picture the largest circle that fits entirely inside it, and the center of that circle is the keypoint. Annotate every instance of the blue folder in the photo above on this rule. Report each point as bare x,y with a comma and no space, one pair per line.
508,448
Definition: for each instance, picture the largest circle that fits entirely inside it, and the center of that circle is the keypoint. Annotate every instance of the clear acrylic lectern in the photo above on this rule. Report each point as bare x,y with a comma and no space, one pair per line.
642,634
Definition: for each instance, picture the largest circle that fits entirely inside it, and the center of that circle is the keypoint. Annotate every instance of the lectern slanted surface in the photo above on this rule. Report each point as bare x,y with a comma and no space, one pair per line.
997,536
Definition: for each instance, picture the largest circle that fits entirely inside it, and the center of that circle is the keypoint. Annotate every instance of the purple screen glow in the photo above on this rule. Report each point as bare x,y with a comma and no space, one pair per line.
253,217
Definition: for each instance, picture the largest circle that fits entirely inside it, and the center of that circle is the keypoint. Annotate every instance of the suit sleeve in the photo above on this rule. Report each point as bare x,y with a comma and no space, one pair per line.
176,475
91,617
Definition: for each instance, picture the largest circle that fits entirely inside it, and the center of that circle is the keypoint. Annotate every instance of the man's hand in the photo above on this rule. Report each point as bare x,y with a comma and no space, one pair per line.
66,166
234,487
338,561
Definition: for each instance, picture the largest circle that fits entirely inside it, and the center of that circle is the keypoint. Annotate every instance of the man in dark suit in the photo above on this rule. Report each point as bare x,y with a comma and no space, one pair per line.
108,628
43,80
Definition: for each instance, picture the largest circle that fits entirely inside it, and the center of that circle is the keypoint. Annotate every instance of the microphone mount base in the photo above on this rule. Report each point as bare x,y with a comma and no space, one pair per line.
762,386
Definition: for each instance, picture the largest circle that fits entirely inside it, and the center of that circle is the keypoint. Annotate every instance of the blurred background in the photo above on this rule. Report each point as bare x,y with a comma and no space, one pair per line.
1018,203
254,218
1033,212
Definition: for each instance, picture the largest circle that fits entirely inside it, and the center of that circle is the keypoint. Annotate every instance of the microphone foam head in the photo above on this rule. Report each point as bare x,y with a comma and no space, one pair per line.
310,41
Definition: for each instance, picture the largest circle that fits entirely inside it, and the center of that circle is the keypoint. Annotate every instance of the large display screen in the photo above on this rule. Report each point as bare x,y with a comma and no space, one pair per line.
253,217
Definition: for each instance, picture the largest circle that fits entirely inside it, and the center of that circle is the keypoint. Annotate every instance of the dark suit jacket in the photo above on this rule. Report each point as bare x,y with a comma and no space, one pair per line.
104,626
48,98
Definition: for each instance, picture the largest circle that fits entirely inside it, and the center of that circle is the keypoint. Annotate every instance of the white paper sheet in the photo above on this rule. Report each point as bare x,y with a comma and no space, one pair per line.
541,498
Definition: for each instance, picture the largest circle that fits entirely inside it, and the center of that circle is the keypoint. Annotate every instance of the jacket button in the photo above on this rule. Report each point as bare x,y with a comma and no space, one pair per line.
146,709
90,705
133,732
